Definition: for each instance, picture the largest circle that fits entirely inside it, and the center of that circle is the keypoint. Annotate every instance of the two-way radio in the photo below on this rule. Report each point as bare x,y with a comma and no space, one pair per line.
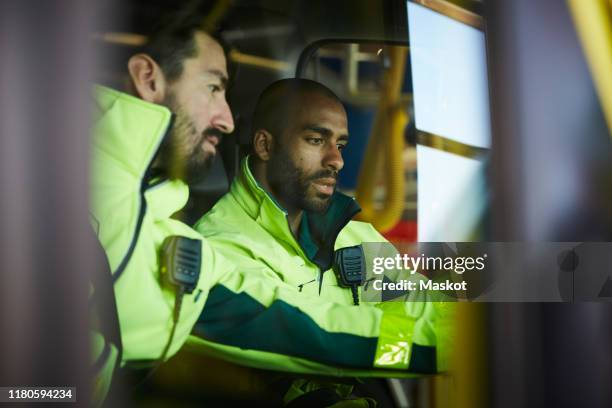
181,261
349,267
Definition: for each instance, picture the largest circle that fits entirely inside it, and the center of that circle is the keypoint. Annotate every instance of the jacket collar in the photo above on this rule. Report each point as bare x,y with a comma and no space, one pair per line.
318,232
129,129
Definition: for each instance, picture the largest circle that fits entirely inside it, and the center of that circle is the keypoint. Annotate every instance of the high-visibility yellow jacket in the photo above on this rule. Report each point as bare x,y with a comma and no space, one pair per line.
255,317
131,217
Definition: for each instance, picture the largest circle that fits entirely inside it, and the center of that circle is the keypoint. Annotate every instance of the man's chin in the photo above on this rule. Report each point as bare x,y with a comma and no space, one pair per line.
195,175
318,204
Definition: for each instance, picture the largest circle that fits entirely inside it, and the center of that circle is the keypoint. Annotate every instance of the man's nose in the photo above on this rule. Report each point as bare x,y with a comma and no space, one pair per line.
224,120
333,158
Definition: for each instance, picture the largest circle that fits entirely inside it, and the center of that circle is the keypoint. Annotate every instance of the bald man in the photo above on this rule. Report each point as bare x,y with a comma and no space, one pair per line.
284,219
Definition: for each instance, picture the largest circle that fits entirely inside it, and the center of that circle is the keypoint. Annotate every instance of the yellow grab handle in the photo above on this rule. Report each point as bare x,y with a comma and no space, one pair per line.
384,150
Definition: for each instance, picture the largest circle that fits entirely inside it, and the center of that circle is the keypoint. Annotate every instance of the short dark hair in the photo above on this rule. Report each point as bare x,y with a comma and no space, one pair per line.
274,103
172,41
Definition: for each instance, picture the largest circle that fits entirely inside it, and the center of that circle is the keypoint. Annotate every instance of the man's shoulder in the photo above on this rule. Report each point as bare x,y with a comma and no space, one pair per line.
106,98
357,232
233,234
226,218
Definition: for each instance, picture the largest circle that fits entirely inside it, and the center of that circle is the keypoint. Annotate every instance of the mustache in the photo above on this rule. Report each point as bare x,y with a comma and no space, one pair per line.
210,131
324,174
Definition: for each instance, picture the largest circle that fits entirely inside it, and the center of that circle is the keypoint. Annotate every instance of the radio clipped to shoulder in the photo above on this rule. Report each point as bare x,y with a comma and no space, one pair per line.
349,267
181,261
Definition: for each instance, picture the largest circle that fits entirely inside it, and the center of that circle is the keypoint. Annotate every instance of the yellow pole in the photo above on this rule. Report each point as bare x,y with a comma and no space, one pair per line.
469,369
385,148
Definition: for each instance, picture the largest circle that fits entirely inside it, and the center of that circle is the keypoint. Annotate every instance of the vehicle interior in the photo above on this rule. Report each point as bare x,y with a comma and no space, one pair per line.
469,121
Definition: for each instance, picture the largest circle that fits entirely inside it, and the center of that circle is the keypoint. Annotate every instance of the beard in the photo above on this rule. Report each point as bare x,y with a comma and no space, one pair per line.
180,155
291,185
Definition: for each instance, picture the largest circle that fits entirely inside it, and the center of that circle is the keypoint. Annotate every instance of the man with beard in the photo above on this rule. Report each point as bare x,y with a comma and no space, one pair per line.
284,216
147,145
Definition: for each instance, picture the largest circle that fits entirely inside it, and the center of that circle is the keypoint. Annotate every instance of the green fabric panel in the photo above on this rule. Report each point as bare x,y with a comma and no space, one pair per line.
322,229
306,240
423,359
240,321
283,363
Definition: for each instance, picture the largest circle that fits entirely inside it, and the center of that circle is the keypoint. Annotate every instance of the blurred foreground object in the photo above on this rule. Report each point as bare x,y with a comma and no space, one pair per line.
45,246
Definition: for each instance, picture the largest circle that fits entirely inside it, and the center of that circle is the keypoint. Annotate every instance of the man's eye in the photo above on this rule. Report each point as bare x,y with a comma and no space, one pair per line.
341,146
214,88
315,140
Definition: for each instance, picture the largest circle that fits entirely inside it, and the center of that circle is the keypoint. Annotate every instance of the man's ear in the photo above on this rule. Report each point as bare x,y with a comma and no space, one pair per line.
262,144
147,78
